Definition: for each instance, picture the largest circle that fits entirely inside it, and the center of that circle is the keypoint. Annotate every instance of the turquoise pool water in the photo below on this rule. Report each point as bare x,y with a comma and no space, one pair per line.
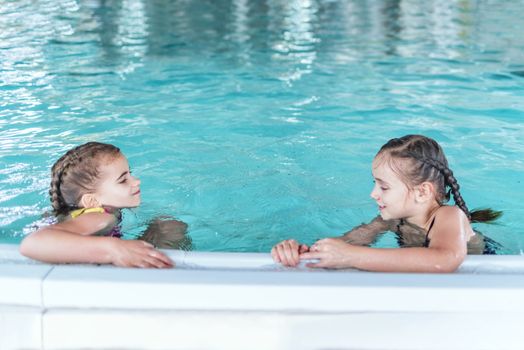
255,121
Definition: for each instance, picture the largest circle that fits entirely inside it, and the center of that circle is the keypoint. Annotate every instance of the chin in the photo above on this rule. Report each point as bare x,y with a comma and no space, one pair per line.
134,204
390,217
385,216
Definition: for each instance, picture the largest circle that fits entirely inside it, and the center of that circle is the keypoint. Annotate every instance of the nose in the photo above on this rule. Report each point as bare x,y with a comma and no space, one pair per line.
136,181
374,193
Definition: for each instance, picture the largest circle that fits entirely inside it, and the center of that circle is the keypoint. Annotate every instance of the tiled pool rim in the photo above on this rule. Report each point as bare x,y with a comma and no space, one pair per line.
243,300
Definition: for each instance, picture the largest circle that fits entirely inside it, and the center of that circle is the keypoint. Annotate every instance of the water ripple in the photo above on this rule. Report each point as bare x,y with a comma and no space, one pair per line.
255,121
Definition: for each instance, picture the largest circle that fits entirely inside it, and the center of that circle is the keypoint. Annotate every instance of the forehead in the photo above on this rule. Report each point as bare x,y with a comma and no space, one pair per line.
113,164
386,168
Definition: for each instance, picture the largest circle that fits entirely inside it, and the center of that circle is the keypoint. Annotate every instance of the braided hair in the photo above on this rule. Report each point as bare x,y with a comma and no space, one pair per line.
427,162
75,174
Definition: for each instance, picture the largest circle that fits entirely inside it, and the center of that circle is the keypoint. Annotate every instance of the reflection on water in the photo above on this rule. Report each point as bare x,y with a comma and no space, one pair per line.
292,33
256,111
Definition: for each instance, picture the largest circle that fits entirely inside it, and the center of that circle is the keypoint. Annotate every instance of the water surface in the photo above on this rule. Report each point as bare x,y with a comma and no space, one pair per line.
255,121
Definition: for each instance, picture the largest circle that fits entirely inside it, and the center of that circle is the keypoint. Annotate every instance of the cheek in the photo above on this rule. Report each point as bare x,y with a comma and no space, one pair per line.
409,196
392,197
111,192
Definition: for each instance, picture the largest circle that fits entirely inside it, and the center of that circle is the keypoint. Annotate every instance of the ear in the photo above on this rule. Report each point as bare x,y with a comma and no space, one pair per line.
89,200
424,192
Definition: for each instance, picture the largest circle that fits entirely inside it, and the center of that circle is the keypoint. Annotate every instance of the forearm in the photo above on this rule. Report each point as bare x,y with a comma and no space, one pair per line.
366,234
56,246
403,259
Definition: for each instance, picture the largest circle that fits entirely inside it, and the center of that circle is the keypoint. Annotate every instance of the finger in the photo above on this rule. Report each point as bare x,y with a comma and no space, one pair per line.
292,252
161,256
285,254
310,255
282,254
152,262
315,265
321,246
163,262
314,258
274,255
141,262
147,244
303,249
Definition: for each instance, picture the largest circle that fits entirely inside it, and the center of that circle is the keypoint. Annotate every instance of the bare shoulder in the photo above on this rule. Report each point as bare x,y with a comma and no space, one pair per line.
447,212
451,226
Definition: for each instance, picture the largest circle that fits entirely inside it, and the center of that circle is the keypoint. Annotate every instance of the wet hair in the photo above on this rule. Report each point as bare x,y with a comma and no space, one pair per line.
423,160
76,173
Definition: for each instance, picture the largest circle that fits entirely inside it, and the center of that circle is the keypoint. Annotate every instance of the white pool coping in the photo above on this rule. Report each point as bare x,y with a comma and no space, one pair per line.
247,290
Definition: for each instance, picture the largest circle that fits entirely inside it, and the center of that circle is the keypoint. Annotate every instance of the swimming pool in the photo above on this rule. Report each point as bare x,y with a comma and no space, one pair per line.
257,121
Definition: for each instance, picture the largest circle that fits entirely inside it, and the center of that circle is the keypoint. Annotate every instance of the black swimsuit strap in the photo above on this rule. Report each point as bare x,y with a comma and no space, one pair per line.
426,242
400,223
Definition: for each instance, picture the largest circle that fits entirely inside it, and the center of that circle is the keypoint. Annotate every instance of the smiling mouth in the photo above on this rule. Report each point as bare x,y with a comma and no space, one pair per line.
136,193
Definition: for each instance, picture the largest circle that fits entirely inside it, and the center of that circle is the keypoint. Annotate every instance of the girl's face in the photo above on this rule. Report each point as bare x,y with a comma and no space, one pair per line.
395,200
116,186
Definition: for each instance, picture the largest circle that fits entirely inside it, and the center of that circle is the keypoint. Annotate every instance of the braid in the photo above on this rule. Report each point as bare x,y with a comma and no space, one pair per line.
57,201
74,174
59,171
449,180
486,215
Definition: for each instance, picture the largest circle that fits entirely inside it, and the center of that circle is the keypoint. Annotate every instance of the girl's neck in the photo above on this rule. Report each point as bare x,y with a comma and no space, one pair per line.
110,209
424,218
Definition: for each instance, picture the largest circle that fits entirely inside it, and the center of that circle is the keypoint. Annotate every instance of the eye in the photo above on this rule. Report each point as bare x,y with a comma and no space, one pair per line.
124,180
383,188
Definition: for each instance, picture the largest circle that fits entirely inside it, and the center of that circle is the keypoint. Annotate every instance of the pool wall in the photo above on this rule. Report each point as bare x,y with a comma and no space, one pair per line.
244,301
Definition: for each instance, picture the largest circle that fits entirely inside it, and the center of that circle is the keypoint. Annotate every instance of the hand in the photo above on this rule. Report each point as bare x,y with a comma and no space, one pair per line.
136,253
287,252
331,253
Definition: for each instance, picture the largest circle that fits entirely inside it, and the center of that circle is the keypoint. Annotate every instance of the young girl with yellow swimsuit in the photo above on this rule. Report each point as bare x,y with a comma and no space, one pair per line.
90,185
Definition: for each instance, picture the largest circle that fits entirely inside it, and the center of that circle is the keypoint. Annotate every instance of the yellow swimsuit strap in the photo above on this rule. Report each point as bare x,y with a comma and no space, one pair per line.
78,212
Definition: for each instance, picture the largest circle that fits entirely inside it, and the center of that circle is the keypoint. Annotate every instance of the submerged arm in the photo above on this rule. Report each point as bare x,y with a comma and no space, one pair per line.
167,233
366,234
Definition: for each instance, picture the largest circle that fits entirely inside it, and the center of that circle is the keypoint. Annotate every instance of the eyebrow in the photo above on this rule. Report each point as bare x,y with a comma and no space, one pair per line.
122,175
380,180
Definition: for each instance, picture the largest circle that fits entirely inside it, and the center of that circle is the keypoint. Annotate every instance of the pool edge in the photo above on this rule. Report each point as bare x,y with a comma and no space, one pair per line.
247,292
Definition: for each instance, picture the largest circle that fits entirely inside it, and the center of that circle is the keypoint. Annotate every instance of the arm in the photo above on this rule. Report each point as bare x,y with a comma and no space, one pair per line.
446,252
73,242
288,252
366,234
167,233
